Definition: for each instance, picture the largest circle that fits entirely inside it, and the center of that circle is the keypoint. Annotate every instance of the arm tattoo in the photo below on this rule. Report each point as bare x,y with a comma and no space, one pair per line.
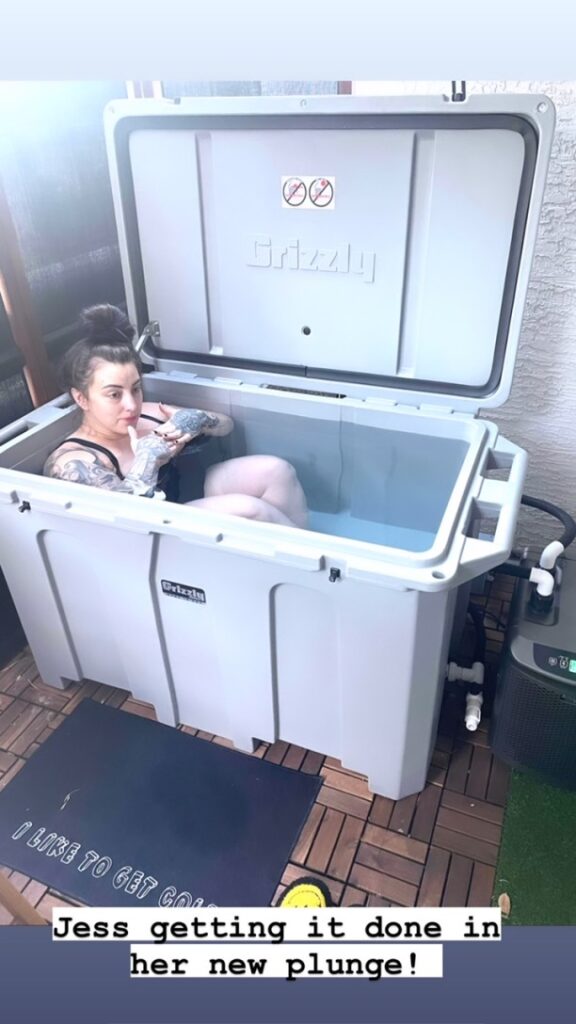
152,452
193,421
91,470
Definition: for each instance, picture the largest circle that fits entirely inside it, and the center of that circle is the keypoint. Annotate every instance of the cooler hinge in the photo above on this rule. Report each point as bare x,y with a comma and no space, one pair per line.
150,333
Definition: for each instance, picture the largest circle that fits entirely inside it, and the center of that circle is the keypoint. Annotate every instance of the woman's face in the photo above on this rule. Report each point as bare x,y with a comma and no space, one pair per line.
113,400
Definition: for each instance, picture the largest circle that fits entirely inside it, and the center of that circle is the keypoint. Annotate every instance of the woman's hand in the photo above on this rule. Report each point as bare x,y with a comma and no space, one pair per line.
152,449
182,425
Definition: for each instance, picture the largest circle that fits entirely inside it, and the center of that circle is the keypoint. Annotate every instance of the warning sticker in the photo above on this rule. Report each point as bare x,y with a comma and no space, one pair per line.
321,192
294,191
308,192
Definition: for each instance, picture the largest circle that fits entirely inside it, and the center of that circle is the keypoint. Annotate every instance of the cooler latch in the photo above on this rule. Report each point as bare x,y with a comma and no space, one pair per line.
458,94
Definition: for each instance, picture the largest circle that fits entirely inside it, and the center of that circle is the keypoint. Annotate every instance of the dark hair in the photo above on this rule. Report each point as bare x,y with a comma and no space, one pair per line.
108,336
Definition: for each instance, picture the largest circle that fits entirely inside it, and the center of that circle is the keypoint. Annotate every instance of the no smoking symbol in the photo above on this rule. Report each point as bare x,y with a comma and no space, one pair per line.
294,191
321,192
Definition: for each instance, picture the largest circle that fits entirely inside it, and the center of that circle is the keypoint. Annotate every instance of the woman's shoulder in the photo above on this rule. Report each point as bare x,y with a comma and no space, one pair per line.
73,448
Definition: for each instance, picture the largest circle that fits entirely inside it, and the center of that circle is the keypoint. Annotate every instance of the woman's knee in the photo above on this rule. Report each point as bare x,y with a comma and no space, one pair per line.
247,506
278,471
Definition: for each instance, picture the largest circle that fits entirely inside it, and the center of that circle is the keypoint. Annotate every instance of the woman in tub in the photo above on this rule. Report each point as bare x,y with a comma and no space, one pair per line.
127,445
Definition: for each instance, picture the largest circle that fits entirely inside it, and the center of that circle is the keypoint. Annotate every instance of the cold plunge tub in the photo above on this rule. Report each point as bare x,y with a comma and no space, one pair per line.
324,638
358,339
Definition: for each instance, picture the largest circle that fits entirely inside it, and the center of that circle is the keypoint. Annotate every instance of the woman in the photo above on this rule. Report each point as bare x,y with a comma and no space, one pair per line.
127,445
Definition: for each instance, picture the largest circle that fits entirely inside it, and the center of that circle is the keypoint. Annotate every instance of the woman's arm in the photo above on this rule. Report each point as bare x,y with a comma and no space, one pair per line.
84,467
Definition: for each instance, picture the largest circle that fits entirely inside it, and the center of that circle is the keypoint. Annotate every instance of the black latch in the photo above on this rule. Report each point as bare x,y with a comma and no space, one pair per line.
458,92
335,575
24,506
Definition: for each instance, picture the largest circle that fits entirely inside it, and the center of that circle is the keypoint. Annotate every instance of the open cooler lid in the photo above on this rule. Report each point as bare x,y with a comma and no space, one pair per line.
383,243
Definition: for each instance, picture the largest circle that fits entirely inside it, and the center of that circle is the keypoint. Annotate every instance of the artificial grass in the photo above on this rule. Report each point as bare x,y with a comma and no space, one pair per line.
537,862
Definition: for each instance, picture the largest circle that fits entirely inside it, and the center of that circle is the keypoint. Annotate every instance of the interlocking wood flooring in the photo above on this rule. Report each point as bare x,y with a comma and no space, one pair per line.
438,848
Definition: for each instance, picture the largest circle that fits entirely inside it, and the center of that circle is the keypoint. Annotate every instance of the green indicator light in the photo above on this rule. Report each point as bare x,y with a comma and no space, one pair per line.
572,665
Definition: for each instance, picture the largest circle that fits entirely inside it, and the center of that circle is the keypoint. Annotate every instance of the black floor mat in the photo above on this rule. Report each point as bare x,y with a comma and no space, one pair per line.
114,809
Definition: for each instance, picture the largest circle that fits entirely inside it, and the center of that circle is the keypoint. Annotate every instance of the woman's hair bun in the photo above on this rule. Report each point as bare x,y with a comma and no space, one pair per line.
106,325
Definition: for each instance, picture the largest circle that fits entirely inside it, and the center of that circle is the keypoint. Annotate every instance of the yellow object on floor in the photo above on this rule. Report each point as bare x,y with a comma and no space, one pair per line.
306,892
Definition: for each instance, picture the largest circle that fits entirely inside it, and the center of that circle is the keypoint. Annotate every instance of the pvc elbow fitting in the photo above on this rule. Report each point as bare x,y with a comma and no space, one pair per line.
551,554
544,582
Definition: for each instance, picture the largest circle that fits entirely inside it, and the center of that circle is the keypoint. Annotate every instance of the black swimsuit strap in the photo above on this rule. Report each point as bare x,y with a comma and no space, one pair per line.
99,448
144,416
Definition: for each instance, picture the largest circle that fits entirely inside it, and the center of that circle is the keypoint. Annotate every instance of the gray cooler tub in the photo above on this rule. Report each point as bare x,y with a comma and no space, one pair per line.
346,279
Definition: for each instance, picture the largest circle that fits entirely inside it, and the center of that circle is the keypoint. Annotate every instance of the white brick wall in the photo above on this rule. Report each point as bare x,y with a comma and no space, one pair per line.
540,414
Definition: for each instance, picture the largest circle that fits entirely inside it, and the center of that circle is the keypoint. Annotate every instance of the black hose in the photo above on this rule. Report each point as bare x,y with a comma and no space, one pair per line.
563,517
477,616
511,569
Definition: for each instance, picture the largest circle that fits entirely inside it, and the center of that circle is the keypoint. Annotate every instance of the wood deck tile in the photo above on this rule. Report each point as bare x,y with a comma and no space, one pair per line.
481,886
34,891
6,760
11,715
436,775
137,707
383,885
45,696
402,814
5,916
377,901
276,752
434,878
345,849
355,785
457,881
480,767
32,731
440,758
50,900
78,692
474,808
394,842
339,801
312,763
352,897
476,828
221,741
332,762
117,698
498,783
294,757
5,701
9,672
308,835
457,775
468,846
389,863
425,814
182,728
381,811
325,840
23,679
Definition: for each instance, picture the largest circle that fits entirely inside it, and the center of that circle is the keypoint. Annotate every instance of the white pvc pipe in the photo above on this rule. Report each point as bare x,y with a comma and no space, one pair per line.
551,554
455,672
544,581
473,713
